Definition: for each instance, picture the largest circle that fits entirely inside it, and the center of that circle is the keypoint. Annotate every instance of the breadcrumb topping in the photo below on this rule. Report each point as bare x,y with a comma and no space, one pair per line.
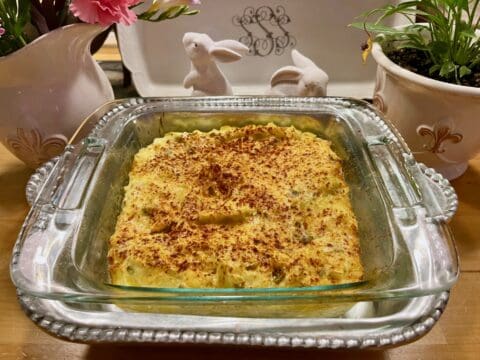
256,206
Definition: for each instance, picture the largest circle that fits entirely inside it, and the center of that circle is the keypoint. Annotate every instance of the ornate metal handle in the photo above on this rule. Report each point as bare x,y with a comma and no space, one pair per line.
441,199
37,180
449,204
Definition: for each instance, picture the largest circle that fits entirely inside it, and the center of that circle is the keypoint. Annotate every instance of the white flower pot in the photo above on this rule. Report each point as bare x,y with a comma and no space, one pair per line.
47,88
439,121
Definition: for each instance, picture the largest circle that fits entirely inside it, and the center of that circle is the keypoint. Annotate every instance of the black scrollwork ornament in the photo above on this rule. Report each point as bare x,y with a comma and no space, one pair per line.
265,31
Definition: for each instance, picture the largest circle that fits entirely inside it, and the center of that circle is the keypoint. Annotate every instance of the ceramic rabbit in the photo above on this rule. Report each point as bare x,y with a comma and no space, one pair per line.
205,77
303,79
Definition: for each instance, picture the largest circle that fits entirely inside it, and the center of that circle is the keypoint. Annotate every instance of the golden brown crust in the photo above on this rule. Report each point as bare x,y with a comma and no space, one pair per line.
257,206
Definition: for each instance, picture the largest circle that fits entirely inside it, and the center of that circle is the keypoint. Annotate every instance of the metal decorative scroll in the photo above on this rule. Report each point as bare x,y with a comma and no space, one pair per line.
265,30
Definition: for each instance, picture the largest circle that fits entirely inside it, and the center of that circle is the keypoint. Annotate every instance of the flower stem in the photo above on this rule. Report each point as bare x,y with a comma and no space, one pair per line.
22,40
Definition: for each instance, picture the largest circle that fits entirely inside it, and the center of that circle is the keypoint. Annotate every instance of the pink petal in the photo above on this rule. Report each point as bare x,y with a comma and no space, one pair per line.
104,12
85,10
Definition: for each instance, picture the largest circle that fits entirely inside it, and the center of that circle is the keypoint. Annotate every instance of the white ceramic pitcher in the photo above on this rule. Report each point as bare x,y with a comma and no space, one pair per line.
47,88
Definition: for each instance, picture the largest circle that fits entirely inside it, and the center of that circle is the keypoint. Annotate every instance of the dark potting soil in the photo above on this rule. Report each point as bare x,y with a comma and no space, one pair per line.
419,62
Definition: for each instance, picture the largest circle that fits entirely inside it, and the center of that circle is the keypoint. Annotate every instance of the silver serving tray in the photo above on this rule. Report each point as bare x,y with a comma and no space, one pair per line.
376,324
355,332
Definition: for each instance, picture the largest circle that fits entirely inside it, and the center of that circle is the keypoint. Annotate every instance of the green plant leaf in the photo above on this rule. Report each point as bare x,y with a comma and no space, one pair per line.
440,48
467,33
433,69
462,4
410,45
376,28
168,14
15,14
447,69
23,15
464,71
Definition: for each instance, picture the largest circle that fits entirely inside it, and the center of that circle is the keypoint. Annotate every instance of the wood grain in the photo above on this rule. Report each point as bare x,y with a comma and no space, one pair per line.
108,53
466,224
456,336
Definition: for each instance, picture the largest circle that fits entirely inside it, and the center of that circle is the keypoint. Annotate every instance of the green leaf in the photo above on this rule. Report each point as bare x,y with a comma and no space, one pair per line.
462,4
15,14
440,48
468,33
446,69
464,71
170,13
453,4
433,69
377,28
191,12
410,45
23,15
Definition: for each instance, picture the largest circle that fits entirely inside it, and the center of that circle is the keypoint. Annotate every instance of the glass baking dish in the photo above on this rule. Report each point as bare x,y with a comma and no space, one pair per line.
402,210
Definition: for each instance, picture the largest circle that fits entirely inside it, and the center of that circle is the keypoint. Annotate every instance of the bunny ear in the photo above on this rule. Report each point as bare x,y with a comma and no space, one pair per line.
301,60
224,54
287,73
233,45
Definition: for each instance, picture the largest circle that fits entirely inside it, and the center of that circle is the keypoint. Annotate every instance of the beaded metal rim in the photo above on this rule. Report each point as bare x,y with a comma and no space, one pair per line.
37,179
447,190
74,332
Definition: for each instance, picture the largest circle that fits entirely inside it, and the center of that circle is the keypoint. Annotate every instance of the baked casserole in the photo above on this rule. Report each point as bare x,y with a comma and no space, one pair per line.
258,206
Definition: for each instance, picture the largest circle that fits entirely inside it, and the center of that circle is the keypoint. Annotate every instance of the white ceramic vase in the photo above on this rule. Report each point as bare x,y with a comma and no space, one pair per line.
47,89
439,121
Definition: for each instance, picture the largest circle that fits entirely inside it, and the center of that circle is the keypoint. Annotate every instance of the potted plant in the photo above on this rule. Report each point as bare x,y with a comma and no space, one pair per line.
48,80
428,78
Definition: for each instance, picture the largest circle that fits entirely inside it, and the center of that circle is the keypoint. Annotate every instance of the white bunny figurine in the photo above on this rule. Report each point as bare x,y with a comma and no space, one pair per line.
303,79
205,77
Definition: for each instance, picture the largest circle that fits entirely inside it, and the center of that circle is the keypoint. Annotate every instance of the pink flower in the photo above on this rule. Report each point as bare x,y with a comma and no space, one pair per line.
2,31
104,12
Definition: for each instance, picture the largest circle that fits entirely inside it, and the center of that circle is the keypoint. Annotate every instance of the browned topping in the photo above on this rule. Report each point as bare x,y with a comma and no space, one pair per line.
257,206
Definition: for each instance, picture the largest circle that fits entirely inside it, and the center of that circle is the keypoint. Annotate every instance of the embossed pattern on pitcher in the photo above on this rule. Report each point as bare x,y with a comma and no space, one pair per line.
32,148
